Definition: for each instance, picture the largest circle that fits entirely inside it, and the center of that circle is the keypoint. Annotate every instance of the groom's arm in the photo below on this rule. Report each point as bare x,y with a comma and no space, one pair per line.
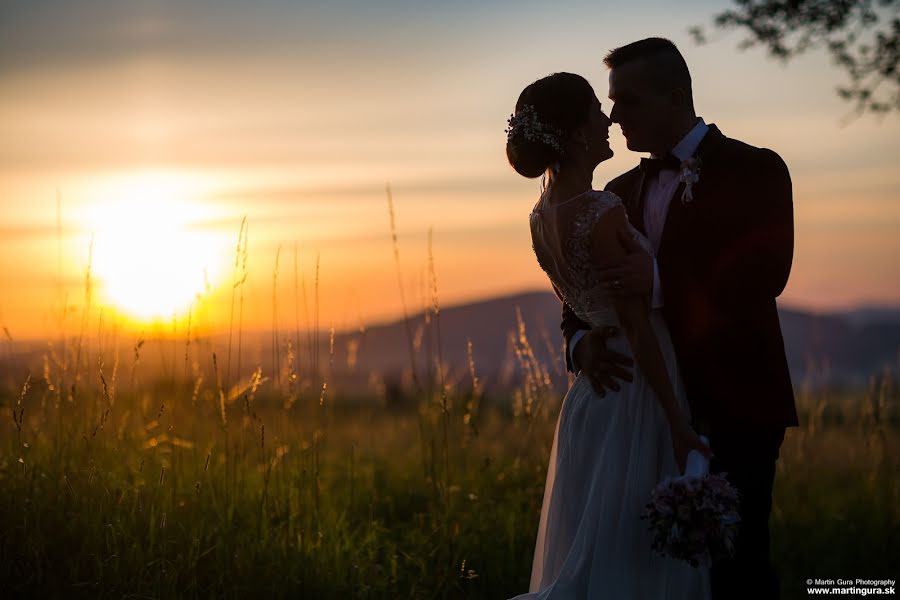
601,365
573,330
755,259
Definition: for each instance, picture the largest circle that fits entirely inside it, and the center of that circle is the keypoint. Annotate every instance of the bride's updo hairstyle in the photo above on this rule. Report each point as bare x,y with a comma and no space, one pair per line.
547,113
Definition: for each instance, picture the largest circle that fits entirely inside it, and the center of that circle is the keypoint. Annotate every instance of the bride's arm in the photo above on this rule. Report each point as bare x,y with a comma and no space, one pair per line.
635,318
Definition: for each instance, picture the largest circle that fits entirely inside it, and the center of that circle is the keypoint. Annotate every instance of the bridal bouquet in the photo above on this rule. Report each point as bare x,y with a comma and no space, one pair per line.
694,517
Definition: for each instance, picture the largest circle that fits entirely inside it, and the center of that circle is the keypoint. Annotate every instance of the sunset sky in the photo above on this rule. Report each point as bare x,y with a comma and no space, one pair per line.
162,124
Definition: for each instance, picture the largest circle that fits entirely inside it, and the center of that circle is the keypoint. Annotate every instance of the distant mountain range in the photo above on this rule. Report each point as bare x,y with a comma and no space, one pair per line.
845,349
822,348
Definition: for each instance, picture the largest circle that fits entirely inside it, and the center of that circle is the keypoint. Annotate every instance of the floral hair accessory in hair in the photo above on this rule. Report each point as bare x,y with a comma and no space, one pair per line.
527,123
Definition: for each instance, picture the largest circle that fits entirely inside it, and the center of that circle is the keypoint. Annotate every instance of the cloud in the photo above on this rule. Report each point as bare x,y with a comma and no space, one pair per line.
60,34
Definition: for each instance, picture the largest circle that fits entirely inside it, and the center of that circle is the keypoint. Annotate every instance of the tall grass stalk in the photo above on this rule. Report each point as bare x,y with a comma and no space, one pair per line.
85,320
310,342
62,298
242,283
316,374
473,404
235,281
445,407
406,320
296,362
276,358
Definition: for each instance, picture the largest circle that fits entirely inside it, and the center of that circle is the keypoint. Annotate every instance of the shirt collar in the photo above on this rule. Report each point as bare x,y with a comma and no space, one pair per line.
686,148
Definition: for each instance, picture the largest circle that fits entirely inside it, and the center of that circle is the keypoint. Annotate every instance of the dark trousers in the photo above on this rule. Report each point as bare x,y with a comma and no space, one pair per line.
748,457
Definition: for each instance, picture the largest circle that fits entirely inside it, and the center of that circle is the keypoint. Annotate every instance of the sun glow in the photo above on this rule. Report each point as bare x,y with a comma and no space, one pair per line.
151,255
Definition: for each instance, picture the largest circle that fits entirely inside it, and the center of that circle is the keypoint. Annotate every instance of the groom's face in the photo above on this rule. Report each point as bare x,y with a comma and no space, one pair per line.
642,110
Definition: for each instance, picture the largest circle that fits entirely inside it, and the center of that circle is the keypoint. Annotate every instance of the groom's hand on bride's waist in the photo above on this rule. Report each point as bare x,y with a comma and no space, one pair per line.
599,364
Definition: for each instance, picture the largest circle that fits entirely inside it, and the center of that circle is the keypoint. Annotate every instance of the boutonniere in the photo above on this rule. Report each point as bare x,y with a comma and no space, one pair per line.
690,175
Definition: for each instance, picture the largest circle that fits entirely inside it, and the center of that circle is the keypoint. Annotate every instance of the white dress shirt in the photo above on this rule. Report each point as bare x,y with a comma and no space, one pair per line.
658,192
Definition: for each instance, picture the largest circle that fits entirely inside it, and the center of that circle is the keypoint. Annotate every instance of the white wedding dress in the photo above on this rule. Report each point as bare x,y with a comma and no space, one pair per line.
608,452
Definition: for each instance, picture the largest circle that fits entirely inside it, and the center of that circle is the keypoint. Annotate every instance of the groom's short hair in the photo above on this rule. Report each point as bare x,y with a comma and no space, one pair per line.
670,69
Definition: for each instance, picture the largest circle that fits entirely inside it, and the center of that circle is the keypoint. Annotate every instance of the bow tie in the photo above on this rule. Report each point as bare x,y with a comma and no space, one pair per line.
652,166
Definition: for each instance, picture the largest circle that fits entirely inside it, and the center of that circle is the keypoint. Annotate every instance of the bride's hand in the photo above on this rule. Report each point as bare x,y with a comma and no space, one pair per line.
632,274
684,439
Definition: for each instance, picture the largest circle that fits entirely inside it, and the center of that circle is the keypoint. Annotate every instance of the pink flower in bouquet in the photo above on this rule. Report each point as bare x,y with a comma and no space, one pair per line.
693,518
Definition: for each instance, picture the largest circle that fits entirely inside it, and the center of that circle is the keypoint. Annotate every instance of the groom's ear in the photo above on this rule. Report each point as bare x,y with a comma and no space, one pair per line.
679,98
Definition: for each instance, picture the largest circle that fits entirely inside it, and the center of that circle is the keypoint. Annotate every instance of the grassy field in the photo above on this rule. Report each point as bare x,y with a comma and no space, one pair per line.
113,485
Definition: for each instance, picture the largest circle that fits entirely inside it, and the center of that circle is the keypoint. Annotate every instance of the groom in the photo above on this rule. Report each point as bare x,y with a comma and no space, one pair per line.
719,216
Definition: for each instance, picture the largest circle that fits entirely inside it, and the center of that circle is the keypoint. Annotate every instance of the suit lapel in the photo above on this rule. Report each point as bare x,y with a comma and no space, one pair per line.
675,217
634,204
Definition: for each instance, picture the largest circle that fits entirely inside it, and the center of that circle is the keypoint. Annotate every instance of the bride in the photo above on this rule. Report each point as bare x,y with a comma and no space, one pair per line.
609,450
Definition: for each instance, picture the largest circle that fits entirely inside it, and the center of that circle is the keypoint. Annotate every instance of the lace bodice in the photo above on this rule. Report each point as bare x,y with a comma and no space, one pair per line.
561,238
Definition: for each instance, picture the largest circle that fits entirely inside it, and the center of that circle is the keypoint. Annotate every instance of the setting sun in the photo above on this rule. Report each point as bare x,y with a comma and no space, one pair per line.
150,256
